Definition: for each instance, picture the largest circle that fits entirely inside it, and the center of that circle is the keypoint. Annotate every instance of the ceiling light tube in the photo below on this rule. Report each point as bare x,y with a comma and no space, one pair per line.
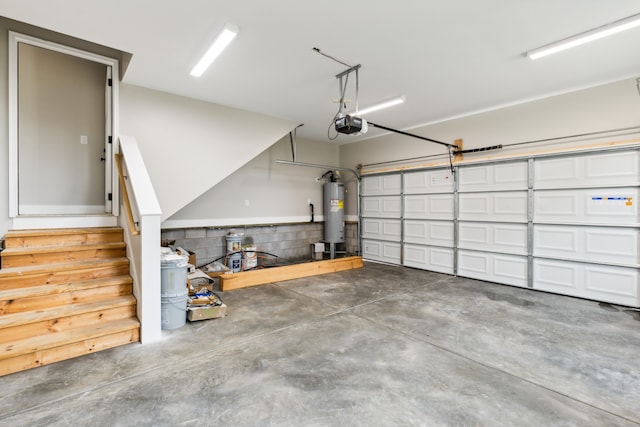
224,38
381,105
586,37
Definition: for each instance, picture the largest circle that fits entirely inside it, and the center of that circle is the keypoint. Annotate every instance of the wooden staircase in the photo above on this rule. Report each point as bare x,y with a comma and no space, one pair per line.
63,293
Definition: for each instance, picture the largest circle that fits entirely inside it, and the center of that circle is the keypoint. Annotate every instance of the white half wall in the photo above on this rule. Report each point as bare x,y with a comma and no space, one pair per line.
188,145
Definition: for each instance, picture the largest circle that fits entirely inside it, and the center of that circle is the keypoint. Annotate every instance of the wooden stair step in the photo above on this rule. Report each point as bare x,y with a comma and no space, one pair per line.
26,256
17,326
64,293
37,351
18,319
76,293
34,344
62,324
62,236
16,277
34,291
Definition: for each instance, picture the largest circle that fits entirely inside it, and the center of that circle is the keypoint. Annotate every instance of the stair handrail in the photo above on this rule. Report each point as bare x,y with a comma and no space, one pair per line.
133,225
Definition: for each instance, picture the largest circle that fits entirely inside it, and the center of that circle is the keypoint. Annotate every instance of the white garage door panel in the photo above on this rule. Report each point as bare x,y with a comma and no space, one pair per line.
587,206
492,237
382,229
429,258
381,251
618,285
381,185
499,176
437,181
505,206
602,170
506,269
437,233
596,244
381,206
437,206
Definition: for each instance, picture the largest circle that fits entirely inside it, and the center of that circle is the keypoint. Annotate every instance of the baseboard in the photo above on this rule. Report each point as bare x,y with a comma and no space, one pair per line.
61,209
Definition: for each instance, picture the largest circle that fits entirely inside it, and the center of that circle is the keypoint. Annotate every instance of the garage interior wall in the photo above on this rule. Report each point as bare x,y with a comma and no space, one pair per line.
263,191
266,202
603,108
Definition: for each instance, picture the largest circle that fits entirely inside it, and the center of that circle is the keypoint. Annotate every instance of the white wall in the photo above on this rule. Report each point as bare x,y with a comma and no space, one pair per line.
612,106
188,145
263,191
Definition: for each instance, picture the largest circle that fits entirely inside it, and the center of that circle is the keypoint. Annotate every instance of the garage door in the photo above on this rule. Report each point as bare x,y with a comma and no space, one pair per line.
492,235
428,221
381,213
565,223
585,233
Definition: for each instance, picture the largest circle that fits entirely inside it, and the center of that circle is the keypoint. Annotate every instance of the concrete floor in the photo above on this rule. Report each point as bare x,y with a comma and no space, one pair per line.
380,346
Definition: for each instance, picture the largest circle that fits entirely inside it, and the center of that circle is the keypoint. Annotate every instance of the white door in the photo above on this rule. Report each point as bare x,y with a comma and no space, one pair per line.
62,133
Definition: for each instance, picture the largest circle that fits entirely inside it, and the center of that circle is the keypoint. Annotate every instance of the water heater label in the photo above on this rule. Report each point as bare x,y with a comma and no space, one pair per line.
336,205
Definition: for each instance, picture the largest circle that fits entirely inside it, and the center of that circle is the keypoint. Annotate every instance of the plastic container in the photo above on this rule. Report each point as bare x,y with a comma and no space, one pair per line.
173,274
173,311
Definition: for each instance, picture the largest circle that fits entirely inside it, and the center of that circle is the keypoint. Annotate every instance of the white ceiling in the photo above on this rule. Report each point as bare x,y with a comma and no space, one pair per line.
449,58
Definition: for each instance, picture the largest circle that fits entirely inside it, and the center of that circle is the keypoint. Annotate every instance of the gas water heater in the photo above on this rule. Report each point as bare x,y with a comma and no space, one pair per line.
333,214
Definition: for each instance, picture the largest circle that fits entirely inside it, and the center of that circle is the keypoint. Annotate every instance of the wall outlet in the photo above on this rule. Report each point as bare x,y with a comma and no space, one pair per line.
84,139
246,202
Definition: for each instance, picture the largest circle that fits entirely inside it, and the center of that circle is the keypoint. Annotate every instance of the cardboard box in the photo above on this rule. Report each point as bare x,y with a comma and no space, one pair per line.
206,312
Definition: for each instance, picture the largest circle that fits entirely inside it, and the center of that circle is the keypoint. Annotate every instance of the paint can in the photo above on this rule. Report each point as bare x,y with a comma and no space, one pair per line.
234,262
234,242
249,258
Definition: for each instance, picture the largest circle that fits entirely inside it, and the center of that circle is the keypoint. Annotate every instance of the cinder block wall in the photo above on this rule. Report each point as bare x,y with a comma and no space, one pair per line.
288,242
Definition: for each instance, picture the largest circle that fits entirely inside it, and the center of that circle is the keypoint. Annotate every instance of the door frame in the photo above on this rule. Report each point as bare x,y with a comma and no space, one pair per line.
38,222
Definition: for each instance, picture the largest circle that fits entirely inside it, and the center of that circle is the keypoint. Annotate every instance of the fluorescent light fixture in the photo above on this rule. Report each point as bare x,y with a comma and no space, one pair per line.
224,38
586,37
381,105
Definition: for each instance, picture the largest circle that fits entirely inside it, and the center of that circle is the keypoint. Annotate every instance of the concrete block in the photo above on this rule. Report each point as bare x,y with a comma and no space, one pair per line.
195,233
216,232
172,234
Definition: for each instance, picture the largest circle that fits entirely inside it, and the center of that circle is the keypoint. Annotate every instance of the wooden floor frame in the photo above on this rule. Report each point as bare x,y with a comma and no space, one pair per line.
262,276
